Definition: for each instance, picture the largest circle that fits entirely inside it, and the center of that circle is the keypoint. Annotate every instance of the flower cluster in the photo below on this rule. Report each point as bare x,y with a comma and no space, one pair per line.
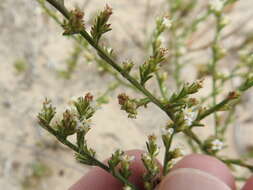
213,145
75,24
217,145
216,5
167,131
100,25
150,163
184,111
167,22
128,105
189,116
75,120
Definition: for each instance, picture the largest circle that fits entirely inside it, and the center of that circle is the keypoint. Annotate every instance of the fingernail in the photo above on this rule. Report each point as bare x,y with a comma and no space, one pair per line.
191,179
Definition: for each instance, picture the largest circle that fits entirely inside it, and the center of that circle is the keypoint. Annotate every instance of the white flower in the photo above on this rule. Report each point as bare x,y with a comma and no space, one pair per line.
173,162
189,115
216,5
87,123
225,21
71,109
100,69
127,158
167,22
180,150
127,187
83,125
94,105
109,50
146,156
217,144
79,125
167,131
72,100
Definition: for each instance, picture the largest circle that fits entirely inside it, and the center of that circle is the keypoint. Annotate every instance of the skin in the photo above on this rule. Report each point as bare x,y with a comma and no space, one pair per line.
193,172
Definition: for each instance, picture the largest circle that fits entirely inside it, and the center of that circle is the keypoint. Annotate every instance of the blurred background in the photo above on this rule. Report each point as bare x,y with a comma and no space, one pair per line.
33,58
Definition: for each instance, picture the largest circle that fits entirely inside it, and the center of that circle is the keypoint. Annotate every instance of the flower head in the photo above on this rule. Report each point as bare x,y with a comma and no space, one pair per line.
167,131
146,156
109,50
217,144
83,125
189,116
167,22
225,21
127,158
127,187
94,105
216,5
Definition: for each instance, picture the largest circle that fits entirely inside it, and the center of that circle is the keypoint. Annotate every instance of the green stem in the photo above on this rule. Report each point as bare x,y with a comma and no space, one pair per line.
87,55
174,45
213,109
134,82
215,60
166,155
96,162
227,122
64,141
161,86
111,62
238,163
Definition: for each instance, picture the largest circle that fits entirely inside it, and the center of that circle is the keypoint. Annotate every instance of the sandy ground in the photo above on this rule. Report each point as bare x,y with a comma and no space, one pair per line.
26,33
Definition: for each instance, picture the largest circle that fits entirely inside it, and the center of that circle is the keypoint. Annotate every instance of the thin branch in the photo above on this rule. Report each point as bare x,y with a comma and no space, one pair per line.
111,62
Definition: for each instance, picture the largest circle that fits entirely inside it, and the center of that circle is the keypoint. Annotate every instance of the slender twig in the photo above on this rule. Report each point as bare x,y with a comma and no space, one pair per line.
213,109
161,86
94,160
87,54
236,30
215,60
166,154
111,62
142,89
238,163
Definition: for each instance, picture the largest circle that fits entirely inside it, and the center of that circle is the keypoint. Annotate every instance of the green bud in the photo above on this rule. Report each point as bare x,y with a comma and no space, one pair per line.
115,159
75,24
128,105
47,113
67,126
213,145
127,66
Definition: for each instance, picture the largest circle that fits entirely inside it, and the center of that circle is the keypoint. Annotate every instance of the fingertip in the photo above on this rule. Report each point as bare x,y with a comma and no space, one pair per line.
97,178
249,184
209,165
191,179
